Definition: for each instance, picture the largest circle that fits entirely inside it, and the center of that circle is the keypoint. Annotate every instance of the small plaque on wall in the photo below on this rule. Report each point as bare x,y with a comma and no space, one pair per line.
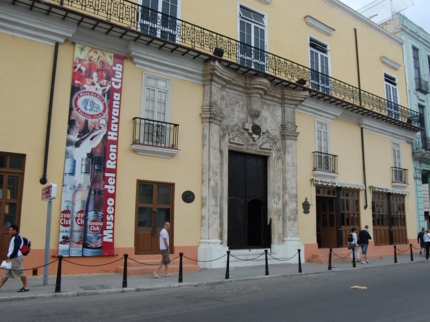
188,196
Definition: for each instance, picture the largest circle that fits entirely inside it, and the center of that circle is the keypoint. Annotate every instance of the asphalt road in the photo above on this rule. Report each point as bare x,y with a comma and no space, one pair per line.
394,293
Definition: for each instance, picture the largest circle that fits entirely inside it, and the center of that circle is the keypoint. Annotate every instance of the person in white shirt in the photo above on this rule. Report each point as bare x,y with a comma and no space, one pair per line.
355,246
164,247
15,256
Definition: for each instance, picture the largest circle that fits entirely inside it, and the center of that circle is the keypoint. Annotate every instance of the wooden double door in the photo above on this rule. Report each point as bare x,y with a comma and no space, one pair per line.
248,225
326,222
338,212
154,208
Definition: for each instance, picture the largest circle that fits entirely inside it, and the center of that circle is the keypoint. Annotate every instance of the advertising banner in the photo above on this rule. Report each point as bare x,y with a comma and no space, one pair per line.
88,198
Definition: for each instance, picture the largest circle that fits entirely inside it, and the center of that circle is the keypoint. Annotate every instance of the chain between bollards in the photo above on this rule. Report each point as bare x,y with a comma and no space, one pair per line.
124,273
395,254
58,281
329,259
300,261
180,267
227,273
267,264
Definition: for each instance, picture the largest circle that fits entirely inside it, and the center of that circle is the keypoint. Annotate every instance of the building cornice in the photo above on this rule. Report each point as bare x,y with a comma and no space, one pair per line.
101,41
354,14
174,65
373,126
16,21
390,63
318,25
319,109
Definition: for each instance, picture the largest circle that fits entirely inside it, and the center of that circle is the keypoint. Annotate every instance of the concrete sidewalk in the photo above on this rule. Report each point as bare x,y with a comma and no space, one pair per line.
79,285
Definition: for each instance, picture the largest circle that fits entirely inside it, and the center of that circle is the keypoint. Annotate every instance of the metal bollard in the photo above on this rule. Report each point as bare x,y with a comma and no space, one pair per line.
180,267
353,257
395,254
58,281
227,273
329,259
124,273
300,261
267,264
412,254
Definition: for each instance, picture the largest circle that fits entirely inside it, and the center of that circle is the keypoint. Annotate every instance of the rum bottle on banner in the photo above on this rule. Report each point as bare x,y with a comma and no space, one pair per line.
66,206
78,209
93,221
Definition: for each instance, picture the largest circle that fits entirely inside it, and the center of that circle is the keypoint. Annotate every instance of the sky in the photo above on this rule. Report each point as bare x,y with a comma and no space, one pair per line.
419,12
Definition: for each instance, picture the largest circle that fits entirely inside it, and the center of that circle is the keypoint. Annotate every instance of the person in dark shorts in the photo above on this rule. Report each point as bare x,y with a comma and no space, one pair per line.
364,238
15,256
164,247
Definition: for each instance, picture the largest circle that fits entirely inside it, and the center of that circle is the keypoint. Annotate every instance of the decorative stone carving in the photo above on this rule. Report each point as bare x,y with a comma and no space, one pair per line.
288,132
242,139
257,88
212,114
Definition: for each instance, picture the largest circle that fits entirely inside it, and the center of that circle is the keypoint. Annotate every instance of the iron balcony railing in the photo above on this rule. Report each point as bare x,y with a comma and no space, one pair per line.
325,162
422,85
399,175
174,30
422,142
155,133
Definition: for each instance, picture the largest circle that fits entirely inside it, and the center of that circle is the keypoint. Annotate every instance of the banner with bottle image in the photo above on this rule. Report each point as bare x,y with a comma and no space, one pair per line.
88,200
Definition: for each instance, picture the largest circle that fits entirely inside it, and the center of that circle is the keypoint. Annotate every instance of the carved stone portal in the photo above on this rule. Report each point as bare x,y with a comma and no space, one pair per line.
248,114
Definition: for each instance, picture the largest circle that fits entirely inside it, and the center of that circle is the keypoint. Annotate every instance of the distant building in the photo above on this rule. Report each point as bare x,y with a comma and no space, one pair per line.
416,51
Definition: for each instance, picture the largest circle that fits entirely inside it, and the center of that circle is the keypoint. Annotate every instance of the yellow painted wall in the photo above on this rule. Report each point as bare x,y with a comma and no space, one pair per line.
345,141
288,37
25,85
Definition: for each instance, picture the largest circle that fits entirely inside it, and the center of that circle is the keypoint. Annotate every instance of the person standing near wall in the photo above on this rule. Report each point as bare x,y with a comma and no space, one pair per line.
364,238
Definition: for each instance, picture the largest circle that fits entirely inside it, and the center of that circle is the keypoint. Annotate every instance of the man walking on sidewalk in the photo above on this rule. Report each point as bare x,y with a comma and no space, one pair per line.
164,247
420,240
15,256
364,238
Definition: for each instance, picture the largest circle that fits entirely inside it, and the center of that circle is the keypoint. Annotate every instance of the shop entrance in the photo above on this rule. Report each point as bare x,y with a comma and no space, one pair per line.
326,222
248,226
337,211
154,208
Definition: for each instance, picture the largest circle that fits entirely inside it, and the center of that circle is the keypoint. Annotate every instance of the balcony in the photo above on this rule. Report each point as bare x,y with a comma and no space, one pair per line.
155,138
399,178
325,165
421,148
421,85
132,22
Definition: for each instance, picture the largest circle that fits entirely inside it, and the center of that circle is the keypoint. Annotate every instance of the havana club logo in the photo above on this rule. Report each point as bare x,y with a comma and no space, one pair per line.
90,104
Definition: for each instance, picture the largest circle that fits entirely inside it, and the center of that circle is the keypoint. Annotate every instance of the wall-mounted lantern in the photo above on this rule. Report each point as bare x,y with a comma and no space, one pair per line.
306,206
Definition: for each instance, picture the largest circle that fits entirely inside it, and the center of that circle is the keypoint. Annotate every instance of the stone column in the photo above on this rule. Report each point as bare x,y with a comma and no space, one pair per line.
212,116
289,134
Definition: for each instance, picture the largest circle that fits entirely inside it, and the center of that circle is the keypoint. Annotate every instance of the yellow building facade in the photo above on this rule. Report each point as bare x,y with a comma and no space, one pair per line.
223,129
